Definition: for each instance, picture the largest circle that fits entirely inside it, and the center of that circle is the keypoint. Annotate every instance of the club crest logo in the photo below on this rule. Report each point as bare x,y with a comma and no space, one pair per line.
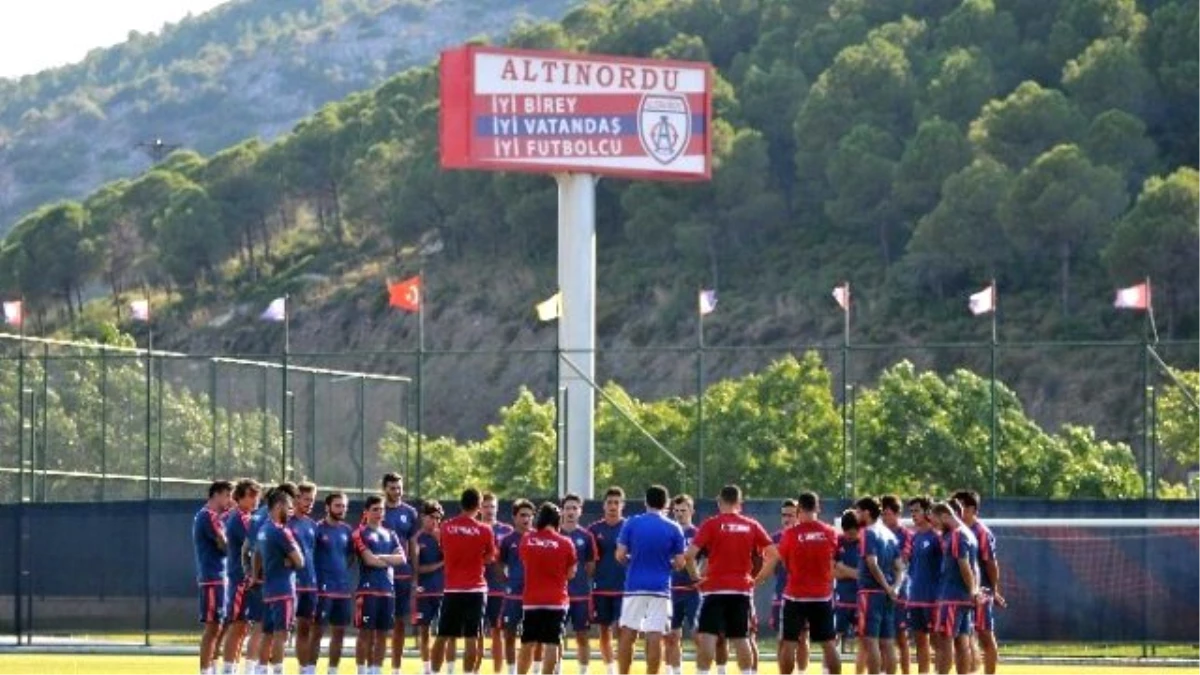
664,126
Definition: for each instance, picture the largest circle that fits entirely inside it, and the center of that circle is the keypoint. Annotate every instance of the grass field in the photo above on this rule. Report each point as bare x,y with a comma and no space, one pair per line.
65,663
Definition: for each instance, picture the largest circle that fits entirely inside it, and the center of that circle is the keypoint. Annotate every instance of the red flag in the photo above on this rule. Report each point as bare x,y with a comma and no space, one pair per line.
1134,297
14,313
405,295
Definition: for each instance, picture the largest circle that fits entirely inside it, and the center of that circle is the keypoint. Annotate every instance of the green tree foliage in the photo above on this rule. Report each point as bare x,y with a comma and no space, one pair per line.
1178,421
1025,124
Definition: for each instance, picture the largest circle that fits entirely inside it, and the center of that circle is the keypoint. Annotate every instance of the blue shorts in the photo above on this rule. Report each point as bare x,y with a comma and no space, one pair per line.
235,602
876,615
491,612
900,614
306,604
845,618
955,618
921,616
254,603
278,615
579,614
512,614
212,603
334,611
429,608
374,612
985,615
606,608
684,606
403,598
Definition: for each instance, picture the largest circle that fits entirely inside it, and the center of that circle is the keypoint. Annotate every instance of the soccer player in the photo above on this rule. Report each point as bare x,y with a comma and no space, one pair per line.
513,574
924,570
579,587
278,556
651,546
892,507
468,547
305,532
378,549
431,578
730,541
237,524
250,554
787,518
333,553
685,597
495,599
549,561
208,539
958,590
845,590
610,575
985,619
880,576
401,519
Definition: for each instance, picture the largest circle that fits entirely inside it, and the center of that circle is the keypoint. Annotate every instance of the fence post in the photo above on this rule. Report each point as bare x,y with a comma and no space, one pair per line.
21,423
263,408
158,423
1153,443
212,410
700,414
103,422
45,413
362,445
312,426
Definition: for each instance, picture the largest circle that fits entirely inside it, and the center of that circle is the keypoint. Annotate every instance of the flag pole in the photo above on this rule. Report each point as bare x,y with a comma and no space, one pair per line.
845,391
21,406
420,373
1146,348
283,410
699,396
995,311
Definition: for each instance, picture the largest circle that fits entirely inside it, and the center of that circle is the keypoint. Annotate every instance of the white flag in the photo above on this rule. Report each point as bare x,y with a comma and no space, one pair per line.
276,311
1134,297
550,308
140,309
984,301
842,295
13,313
708,302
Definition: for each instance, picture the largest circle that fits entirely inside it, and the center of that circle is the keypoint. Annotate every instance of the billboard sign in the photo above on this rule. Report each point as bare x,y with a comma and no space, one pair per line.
549,112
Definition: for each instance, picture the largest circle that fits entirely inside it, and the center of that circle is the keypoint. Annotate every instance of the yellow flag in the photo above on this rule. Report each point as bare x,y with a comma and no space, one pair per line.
550,308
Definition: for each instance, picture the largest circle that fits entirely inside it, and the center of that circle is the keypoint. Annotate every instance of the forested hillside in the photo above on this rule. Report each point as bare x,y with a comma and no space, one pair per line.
247,68
917,148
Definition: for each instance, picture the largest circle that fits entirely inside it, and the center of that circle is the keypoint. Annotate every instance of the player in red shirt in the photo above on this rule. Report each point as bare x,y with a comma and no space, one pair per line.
808,550
550,562
730,541
468,546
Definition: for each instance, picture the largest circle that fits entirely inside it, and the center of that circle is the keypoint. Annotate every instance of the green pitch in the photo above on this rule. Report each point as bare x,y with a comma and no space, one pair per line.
60,663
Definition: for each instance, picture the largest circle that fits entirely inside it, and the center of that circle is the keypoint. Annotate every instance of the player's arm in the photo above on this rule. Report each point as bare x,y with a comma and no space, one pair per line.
900,566
968,575
770,560
248,557
843,571
872,562
622,554
429,567
256,568
397,556
689,559
294,557
992,569
218,532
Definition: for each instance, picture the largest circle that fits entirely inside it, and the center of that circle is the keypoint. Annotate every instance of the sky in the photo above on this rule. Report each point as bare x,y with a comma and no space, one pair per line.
40,34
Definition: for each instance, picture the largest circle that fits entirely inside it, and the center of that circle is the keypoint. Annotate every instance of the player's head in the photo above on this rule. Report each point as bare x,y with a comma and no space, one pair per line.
245,493
787,513
955,506
308,495
290,488
969,499
431,515
810,505
470,499
730,499
220,494
572,508
683,508
335,506
918,510
890,507
548,516
850,524
487,507
373,510
392,486
657,497
522,513
280,505
868,510
614,502
943,512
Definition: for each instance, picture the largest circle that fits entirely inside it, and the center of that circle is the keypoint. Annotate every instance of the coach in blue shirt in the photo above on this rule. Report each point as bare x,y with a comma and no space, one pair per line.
651,546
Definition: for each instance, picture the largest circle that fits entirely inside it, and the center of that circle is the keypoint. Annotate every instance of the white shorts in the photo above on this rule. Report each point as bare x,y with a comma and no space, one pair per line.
646,613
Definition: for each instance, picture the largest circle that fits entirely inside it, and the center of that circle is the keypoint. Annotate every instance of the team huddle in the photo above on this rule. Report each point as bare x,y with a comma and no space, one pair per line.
268,572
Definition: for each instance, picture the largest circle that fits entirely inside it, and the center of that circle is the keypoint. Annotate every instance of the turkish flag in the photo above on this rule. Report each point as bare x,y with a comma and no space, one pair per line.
406,295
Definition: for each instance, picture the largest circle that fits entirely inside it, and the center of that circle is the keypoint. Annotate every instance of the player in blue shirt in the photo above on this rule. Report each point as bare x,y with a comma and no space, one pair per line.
579,587
277,558
958,590
924,571
787,518
608,584
989,580
379,550
845,585
892,508
495,597
333,553
880,576
209,544
254,596
651,546
237,524
512,570
685,597
305,532
431,576
404,521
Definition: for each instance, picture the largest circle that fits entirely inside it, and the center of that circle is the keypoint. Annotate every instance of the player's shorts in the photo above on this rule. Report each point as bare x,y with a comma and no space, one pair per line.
727,614
921,616
579,613
236,605
815,616
254,603
429,607
606,608
374,612
403,598
684,607
845,618
491,614
212,603
278,615
985,614
306,604
542,626
955,618
462,615
876,615
335,612
512,612
646,613
900,614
